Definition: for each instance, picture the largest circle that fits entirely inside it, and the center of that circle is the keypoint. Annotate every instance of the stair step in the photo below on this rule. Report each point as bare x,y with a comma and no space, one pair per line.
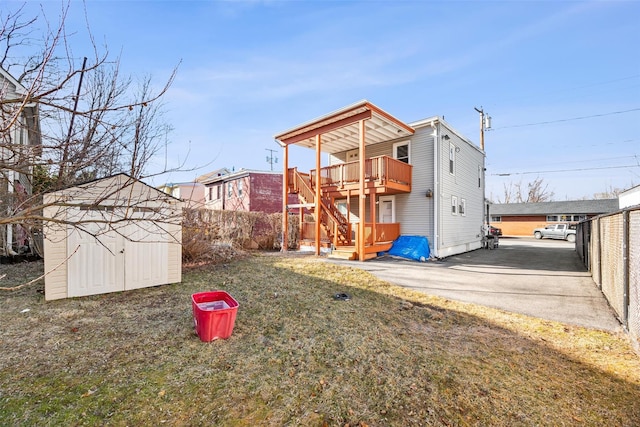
347,254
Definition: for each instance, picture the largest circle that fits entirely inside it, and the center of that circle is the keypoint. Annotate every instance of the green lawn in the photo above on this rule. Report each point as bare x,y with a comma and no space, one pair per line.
387,357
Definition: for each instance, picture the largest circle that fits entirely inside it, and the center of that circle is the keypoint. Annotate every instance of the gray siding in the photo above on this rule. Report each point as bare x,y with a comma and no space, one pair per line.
458,231
414,211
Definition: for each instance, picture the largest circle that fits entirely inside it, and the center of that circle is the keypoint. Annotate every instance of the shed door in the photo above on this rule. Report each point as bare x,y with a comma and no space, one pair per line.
146,253
96,267
135,256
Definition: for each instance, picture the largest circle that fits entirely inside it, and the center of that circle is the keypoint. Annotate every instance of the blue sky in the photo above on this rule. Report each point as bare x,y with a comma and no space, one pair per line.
251,69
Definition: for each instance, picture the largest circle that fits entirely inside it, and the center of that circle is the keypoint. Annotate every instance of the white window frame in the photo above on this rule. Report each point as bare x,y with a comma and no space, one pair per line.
454,205
452,159
229,189
240,187
463,207
401,144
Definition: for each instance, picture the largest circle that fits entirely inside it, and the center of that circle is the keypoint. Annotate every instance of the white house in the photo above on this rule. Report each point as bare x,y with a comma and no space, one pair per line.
20,144
630,197
386,179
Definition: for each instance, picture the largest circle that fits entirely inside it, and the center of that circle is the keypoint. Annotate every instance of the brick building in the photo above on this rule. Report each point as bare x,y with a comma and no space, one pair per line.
520,219
243,190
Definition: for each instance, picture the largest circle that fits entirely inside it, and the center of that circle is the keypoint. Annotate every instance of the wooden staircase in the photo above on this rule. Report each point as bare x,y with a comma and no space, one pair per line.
331,219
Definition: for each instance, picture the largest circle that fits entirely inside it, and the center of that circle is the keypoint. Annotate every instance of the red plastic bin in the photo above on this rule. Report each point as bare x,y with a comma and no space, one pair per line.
214,314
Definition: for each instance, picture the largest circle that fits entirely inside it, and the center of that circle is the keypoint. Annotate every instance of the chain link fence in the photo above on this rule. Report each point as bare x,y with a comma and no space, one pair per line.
609,246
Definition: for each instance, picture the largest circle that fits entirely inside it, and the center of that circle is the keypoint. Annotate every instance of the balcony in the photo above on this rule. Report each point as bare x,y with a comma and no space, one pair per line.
382,175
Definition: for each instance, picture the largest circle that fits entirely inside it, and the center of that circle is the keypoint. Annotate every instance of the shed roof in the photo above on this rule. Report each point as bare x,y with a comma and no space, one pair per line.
118,182
340,132
593,207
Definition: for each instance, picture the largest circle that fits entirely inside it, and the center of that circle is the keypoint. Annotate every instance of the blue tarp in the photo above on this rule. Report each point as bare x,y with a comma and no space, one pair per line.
411,247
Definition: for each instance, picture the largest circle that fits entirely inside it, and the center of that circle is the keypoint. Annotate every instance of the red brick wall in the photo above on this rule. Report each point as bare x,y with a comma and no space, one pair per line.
265,193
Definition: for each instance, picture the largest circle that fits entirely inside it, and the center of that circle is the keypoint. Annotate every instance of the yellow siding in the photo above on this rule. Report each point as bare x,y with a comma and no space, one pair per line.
174,263
55,252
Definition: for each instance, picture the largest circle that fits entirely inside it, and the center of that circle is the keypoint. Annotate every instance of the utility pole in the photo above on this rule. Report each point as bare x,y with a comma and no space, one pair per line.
270,158
485,124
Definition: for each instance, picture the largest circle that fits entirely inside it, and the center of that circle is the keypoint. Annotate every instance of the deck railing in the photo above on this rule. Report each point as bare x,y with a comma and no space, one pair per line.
385,232
382,169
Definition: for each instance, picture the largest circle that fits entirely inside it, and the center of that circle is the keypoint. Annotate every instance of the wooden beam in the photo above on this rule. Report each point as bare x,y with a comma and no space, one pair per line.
361,196
318,193
372,198
285,198
327,128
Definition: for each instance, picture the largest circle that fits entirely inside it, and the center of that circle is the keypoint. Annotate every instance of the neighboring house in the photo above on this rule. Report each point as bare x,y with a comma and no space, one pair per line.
20,145
243,190
387,178
630,197
191,193
520,219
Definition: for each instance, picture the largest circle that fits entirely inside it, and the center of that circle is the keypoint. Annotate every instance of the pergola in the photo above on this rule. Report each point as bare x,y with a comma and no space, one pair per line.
352,127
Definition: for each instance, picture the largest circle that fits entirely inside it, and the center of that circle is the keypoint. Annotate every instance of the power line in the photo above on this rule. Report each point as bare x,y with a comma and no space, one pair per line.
568,120
565,170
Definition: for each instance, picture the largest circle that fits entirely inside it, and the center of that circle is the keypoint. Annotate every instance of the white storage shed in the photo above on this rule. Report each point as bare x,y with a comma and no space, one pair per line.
109,235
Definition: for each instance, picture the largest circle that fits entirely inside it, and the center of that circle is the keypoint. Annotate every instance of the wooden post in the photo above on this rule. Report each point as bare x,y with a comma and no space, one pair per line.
349,215
285,199
301,223
361,196
318,193
372,197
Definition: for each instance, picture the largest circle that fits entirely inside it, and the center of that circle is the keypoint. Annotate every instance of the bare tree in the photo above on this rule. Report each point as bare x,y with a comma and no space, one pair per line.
63,122
610,193
535,191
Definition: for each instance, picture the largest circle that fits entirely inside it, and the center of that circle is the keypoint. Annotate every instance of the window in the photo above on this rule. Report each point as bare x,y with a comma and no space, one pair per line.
463,207
229,189
479,176
454,205
210,193
552,218
496,218
240,188
402,151
218,191
452,158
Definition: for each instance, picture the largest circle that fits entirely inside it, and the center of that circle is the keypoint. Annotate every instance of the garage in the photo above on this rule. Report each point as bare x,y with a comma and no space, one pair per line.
110,235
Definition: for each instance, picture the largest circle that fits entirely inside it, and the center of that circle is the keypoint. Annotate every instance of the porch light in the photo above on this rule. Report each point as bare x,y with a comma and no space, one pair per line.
429,193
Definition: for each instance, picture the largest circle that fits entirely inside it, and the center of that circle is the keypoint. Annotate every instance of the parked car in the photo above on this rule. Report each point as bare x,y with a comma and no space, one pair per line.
557,231
495,231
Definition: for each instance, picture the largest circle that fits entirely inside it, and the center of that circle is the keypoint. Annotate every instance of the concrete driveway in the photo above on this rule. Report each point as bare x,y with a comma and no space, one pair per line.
540,278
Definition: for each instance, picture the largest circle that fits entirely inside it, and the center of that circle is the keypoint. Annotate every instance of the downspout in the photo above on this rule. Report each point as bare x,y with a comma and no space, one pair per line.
436,189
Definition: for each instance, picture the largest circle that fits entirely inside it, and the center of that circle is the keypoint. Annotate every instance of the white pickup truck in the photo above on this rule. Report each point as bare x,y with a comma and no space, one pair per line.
557,231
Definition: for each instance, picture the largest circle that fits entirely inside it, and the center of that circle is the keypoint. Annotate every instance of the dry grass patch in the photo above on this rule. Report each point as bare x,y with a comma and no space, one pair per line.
388,356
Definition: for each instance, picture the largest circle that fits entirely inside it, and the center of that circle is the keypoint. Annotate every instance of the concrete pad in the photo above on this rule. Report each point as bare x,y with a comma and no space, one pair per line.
540,278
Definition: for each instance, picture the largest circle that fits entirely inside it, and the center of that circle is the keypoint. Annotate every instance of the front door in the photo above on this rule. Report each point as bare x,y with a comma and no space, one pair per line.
386,210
